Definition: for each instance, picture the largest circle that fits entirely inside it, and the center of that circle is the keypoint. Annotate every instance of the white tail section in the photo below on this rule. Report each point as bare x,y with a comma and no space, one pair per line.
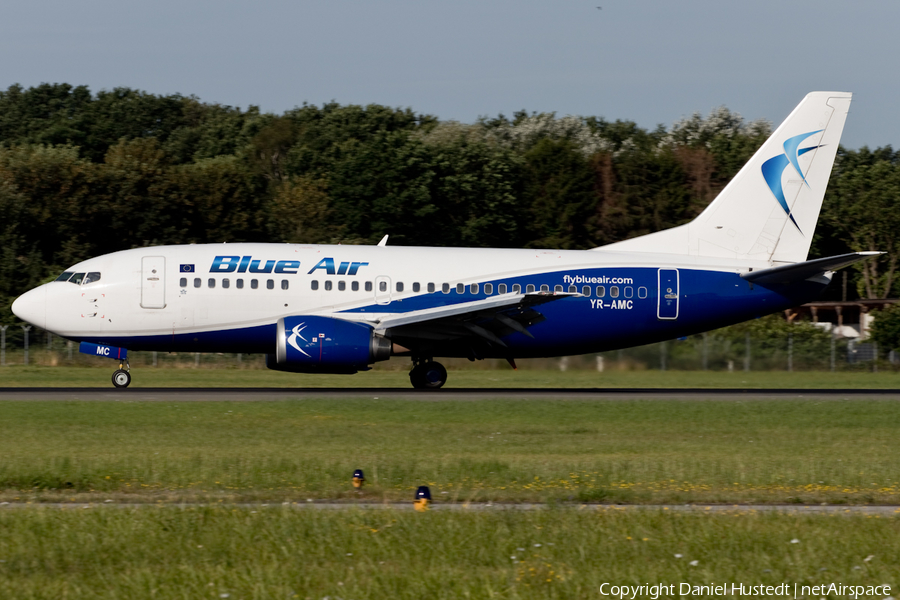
768,212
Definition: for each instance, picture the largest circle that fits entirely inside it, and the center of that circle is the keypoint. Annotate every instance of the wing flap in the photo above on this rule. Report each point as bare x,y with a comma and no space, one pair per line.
486,320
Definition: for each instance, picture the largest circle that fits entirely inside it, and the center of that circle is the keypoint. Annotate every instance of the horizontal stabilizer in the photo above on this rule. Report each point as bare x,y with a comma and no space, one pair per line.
805,270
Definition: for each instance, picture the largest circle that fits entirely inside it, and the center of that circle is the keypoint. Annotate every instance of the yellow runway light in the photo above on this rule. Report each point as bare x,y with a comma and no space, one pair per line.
423,498
358,478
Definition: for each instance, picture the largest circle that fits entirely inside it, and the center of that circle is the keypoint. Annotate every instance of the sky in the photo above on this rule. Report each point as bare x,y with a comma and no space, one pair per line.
648,62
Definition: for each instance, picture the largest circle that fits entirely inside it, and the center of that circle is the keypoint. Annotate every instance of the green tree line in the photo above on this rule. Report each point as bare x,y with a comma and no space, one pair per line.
83,174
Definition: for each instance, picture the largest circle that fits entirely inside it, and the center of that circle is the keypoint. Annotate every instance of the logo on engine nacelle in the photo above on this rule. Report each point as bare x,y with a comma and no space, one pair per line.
295,333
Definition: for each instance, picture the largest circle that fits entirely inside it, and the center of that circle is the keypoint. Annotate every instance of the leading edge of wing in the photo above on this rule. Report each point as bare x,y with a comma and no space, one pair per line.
494,304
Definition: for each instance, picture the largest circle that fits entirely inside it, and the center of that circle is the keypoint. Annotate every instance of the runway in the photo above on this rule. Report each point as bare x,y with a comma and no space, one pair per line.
110,394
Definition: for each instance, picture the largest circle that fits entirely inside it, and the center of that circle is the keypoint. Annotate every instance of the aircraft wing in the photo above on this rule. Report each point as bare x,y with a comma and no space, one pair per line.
487,319
805,270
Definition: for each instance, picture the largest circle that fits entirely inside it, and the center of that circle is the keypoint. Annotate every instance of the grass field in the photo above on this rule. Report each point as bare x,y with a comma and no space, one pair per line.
397,377
579,456
168,553
564,451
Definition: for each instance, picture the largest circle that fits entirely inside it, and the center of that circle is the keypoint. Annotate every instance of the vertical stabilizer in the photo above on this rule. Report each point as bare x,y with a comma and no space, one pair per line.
768,212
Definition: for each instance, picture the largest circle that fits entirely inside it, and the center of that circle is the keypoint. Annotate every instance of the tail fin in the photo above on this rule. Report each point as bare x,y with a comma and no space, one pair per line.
769,210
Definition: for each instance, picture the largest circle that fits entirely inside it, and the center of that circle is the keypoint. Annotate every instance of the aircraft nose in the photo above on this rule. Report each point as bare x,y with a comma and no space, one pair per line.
32,307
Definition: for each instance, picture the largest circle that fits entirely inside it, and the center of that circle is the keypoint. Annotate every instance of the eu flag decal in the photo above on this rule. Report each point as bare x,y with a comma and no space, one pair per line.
187,268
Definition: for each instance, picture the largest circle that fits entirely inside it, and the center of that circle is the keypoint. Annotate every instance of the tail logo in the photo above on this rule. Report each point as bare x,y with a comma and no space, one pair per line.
773,169
295,333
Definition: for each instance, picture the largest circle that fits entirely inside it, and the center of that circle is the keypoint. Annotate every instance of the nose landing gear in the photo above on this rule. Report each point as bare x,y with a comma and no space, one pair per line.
122,378
427,374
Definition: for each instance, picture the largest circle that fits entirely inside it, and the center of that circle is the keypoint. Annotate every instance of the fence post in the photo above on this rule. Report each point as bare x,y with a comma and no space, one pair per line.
69,349
26,329
154,358
599,363
705,352
662,356
790,351
832,348
746,351
3,345
875,359
240,359
196,359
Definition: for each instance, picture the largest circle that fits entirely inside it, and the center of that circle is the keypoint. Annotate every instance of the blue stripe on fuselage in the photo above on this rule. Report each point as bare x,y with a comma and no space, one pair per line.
572,325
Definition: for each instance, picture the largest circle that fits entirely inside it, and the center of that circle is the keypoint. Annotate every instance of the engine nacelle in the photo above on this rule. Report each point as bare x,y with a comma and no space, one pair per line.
326,345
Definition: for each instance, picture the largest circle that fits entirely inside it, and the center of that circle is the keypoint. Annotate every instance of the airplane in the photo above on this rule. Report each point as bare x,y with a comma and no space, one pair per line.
339,309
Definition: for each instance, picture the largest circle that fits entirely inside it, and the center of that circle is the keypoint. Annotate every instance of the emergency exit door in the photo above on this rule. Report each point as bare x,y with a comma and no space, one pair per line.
668,294
153,282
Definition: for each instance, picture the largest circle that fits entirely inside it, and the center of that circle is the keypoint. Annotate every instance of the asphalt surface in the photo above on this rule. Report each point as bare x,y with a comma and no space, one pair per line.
263,394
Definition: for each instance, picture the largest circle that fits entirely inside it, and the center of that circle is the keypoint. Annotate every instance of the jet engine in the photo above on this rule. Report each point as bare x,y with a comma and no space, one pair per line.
326,345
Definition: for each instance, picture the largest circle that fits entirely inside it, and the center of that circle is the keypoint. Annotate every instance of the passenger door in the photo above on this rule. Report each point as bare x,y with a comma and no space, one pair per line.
153,282
668,294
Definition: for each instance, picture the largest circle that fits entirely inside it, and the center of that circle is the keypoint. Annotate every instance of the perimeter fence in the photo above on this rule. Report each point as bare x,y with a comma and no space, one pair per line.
801,347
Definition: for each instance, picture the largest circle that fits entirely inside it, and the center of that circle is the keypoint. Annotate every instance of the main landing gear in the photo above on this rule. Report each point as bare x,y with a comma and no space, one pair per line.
427,375
121,378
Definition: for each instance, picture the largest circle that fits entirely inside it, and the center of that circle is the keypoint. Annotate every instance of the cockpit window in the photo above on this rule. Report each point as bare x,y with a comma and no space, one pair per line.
65,276
91,278
76,278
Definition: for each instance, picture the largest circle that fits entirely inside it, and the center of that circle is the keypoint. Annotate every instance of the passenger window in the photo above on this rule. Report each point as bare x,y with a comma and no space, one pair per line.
601,291
182,282
197,282
382,286
354,286
368,286
211,283
416,287
239,284
314,284
586,290
328,285
342,285
557,289
517,289
474,288
91,278
399,286
254,284
613,291
226,283
573,289
488,288
460,288
642,292
629,292
430,288
501,289
65,276
77,278
545,287
285,284
270,284
529,289
445,288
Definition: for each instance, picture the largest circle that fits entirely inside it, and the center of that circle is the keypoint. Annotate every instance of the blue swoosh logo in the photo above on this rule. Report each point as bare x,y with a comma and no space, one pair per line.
773,169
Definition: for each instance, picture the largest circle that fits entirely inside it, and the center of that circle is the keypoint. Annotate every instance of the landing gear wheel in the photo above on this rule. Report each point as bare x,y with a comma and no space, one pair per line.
121,378
428,376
